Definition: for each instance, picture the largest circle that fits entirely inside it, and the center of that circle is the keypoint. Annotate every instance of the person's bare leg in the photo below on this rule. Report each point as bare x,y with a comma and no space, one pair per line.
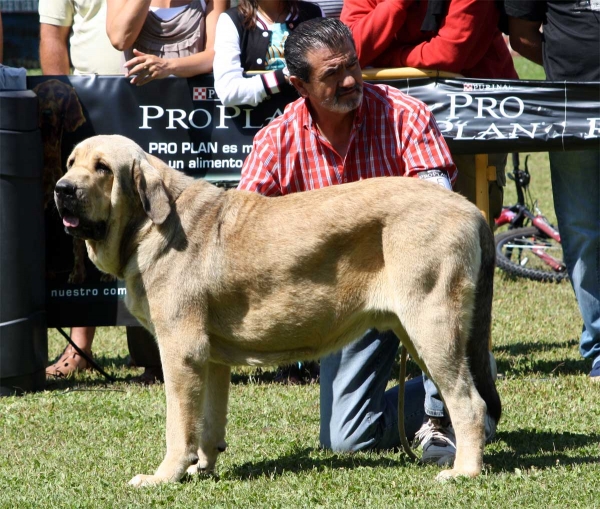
83,337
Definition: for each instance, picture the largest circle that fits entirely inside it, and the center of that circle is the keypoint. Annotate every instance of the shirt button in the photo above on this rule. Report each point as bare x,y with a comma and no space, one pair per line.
265,34
259,60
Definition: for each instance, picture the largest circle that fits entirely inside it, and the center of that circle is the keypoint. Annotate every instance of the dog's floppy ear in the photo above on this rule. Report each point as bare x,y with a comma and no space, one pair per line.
150,186
74,117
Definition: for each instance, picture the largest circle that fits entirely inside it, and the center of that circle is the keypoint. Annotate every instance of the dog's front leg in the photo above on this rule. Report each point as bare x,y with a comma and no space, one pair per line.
185,388
214,418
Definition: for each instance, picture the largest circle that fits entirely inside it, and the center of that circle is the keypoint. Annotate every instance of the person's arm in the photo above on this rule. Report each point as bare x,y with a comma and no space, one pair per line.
374,25
526,38
54,49
423,147
259,172
145,67
231,85
464,37
124,21
525,18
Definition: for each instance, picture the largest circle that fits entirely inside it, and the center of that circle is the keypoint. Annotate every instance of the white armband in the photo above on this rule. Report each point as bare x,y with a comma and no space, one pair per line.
437,177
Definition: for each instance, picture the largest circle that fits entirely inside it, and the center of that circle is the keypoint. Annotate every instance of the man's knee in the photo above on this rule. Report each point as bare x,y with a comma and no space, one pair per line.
341,440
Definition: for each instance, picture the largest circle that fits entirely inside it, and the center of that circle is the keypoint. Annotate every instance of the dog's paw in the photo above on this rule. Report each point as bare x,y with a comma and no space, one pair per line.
142,480
447,475
193,469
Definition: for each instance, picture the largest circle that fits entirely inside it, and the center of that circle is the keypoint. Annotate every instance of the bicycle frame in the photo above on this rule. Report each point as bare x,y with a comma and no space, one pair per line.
517,215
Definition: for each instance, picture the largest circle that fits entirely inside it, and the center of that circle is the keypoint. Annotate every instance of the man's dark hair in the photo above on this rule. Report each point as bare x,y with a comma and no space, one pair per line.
310,35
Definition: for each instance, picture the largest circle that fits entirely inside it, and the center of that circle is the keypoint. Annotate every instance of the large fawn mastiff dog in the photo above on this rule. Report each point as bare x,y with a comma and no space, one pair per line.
226,278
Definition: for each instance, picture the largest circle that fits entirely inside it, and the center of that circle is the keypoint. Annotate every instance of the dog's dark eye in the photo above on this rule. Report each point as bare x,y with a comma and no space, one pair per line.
102,168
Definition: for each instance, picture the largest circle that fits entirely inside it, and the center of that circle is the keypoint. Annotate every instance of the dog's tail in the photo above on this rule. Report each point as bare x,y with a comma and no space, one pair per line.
478,344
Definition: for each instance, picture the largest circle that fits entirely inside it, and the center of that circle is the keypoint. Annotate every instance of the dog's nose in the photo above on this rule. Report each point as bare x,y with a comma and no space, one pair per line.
65,188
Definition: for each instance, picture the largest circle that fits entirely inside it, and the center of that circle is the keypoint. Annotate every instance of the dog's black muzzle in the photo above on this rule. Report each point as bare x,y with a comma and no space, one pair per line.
70,210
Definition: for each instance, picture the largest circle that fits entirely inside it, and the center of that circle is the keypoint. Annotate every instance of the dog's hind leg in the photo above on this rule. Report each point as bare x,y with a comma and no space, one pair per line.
438,330
185,387
467,412
214,418
476,386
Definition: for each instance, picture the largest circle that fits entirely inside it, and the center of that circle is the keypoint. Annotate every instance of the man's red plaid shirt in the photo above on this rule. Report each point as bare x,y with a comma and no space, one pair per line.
393,135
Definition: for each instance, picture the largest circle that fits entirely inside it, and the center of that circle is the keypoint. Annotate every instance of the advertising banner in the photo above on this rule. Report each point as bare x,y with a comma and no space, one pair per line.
183,122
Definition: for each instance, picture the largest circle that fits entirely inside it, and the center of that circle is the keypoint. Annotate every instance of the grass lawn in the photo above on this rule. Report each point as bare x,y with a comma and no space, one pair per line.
79,442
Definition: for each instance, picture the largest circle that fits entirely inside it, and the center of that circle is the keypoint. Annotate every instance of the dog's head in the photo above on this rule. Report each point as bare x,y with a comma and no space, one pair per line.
110,184
59,108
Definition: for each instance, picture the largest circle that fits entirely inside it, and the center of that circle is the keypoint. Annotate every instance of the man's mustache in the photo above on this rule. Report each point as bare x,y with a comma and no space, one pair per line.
345,90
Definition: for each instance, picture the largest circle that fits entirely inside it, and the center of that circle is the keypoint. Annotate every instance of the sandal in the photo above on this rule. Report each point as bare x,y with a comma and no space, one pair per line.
69,363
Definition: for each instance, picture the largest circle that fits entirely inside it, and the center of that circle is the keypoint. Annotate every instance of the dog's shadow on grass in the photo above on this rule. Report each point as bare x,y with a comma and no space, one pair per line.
528,449
531,448
308,459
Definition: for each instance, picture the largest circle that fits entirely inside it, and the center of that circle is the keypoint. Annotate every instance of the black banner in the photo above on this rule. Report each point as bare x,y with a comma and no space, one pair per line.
182,122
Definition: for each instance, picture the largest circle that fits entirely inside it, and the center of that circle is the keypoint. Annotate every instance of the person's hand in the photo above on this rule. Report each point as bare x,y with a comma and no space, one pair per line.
145,68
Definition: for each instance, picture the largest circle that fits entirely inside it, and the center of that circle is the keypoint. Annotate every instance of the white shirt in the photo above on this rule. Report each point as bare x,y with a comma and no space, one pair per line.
232,87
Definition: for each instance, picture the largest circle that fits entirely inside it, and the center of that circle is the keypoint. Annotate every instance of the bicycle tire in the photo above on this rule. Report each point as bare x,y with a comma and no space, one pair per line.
510,259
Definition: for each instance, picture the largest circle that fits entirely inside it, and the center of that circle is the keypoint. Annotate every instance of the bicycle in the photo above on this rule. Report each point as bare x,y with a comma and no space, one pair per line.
531,247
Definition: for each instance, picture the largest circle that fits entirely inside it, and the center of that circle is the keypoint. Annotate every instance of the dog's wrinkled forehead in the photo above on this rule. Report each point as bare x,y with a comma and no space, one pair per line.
114,152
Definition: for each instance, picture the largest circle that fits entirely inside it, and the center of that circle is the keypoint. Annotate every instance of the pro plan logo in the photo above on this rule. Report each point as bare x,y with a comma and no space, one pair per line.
204,94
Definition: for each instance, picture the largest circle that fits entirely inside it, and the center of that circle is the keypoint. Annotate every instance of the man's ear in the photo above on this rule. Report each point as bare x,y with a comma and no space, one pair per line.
150,187
299,85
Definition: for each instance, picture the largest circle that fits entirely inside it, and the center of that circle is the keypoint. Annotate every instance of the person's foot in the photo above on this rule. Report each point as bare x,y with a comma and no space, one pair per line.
69,363
151,375
595,373
438,441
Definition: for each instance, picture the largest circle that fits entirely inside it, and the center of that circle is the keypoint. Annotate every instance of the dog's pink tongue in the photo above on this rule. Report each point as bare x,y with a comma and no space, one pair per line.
70,221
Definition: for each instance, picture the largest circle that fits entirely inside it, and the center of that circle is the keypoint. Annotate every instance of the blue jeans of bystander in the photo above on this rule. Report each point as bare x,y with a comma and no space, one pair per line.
576,190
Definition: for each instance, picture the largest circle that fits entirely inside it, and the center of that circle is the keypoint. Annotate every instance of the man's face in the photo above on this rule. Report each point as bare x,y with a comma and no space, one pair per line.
335,82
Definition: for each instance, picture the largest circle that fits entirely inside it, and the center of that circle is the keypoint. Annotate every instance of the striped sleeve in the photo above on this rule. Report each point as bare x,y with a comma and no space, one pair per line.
259,172
423,146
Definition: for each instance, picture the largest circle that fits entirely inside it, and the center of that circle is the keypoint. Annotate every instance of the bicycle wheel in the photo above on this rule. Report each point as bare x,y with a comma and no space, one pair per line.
529,253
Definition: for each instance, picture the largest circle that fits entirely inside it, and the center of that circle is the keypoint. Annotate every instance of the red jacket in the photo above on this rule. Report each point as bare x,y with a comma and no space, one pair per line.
388,34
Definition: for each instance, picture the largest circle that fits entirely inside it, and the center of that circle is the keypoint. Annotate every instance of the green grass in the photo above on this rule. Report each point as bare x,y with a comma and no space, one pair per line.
79,442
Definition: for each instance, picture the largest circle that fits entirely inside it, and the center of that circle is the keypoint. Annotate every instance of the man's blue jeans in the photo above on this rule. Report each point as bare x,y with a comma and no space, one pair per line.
576,191
357,412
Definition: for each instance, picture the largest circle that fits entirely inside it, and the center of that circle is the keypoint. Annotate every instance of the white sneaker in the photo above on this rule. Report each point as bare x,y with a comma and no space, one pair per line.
438,441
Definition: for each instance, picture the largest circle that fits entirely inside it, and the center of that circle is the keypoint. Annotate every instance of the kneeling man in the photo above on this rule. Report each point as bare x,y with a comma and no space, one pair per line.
343,130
